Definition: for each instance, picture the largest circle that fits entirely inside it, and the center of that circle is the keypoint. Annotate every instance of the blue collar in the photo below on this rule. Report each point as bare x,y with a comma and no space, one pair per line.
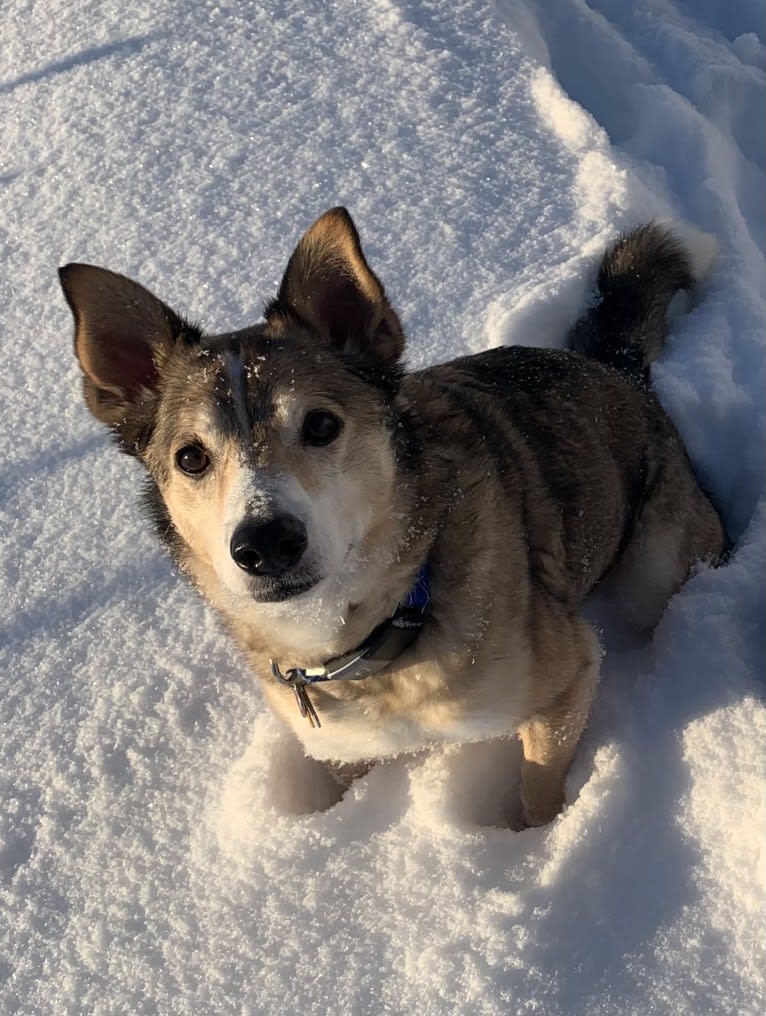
381,647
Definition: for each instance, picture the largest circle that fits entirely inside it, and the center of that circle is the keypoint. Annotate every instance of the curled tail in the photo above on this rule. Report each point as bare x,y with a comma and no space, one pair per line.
638,278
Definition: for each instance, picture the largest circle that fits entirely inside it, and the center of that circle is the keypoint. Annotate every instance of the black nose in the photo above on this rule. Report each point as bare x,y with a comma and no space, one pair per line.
268,548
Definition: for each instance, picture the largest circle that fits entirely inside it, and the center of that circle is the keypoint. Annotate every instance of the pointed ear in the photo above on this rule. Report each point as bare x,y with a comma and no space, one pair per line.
329,285
122,335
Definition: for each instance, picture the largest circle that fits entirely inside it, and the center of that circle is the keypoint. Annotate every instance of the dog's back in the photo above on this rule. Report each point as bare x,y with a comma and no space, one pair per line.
600,464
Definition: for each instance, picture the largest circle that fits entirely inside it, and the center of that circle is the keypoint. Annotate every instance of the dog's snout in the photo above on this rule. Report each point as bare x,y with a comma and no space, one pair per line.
268,548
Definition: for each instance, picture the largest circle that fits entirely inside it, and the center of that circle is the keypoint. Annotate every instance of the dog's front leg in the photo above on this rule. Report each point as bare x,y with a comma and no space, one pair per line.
549,738
300,784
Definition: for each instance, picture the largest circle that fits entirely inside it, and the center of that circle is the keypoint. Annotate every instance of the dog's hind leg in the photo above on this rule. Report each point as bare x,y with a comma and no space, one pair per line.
550,736
676,528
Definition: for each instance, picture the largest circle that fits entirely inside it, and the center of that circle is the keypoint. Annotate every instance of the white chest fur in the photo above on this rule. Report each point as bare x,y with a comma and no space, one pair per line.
355,731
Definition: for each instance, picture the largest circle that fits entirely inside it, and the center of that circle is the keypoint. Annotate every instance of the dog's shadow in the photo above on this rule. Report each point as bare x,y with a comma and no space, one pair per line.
483,780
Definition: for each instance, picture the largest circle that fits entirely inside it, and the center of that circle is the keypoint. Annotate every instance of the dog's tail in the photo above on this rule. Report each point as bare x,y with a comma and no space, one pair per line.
638,279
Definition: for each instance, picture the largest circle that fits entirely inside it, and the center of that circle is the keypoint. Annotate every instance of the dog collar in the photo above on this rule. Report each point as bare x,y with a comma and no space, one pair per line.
381,647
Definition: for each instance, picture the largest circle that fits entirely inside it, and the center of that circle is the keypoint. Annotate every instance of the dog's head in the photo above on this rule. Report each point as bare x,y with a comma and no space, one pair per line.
270,449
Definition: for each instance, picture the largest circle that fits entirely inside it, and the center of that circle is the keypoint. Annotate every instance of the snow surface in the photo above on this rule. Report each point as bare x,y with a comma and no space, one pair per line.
150,858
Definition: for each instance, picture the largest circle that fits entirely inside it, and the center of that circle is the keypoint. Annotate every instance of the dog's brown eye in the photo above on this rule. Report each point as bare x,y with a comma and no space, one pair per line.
192,459
320,428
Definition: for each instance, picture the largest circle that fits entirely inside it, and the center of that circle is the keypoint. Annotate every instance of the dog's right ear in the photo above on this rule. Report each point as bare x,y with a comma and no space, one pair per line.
122,335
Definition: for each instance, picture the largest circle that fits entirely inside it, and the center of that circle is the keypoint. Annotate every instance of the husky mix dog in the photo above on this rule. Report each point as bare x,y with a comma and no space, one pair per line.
402,557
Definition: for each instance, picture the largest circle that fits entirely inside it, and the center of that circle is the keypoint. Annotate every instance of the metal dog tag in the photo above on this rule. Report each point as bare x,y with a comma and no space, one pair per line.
305,704
295,679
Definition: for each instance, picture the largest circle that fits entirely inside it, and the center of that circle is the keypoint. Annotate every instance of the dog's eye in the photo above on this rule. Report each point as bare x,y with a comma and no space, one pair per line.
192,459
320,428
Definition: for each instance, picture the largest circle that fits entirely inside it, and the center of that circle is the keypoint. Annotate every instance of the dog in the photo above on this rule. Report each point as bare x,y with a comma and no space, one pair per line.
402,558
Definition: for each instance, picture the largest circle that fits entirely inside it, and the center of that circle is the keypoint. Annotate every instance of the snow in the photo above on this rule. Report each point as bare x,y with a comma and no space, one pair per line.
154,857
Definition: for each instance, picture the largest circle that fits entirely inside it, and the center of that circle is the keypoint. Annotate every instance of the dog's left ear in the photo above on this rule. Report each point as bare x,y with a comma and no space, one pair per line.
329,285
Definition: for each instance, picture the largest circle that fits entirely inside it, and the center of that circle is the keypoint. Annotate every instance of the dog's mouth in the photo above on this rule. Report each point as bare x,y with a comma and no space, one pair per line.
277,590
